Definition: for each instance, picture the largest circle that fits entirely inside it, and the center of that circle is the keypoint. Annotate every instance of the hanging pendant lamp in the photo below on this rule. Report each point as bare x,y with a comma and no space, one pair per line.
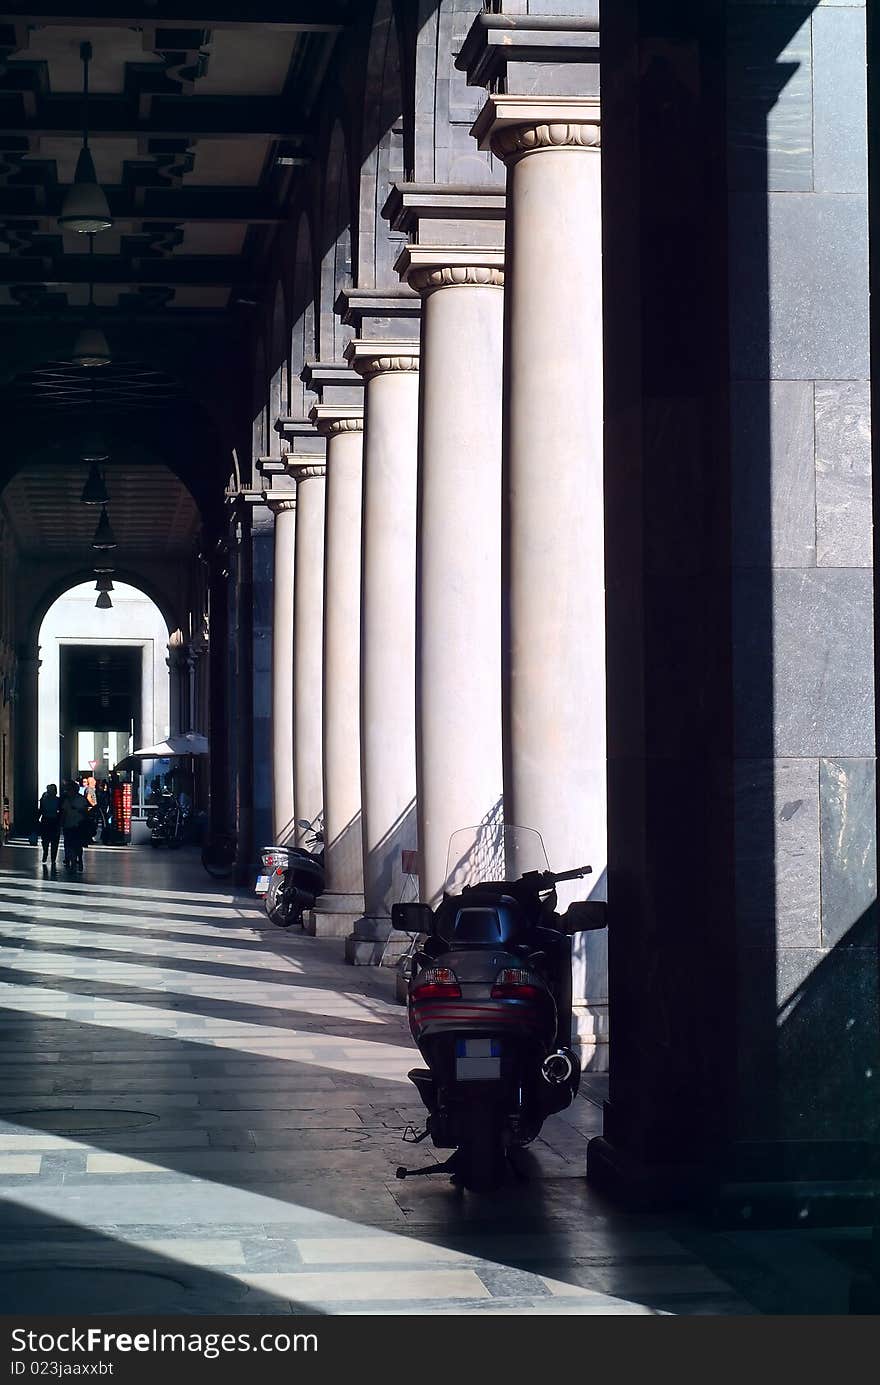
104,603
104,536
104,582
95,489
85,207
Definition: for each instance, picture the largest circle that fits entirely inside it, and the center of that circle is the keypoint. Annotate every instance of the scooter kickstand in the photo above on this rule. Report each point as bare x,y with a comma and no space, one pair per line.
448,1166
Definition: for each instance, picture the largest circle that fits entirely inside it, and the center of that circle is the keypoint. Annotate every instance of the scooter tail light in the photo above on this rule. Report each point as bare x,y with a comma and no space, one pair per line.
514,983
437,983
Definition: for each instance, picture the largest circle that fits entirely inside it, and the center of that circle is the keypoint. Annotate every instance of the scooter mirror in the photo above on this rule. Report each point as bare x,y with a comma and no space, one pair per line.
412,918
585,915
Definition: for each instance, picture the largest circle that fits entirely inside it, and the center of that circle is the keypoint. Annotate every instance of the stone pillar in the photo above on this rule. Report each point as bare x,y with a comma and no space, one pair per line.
26,792
283,508
308,616
458,605
553,548
219,678
342,902
388,789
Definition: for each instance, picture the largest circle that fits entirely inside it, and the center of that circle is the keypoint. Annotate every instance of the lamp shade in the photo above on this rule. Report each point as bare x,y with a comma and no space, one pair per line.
91,348
95,490
104,536
104,582
85,207
104,603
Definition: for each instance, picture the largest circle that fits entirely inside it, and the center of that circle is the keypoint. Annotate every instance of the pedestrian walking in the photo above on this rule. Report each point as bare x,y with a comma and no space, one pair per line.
73,821
50,823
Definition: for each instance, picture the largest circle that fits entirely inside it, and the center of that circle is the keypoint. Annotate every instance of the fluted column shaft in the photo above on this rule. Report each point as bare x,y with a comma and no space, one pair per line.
458,605
308,635
343,899
554,619
387,707
283,815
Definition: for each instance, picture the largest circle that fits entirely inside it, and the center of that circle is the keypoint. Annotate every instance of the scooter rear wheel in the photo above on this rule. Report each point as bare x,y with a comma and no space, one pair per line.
480,1162
278,903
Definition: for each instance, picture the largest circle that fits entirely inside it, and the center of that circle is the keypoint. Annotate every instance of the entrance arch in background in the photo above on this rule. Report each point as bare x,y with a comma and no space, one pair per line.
73,624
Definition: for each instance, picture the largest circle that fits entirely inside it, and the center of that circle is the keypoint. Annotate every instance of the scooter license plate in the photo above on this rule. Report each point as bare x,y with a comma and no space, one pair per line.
477,1060
262,884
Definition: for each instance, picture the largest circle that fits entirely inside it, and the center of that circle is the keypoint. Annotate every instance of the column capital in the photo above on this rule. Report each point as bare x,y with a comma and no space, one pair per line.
514,126
427,268
306,468
280,504
331,419
532,52
370,358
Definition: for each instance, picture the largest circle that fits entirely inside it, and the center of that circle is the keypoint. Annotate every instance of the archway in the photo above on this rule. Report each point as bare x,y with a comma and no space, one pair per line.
103,683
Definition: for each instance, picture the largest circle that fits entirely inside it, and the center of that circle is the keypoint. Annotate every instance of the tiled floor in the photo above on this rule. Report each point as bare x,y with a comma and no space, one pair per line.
200,1113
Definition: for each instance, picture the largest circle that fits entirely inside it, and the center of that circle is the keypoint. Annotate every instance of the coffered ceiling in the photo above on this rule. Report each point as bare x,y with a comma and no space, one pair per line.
199,119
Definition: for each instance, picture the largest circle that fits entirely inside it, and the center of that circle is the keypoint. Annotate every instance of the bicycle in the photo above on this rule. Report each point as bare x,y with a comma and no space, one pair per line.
219,854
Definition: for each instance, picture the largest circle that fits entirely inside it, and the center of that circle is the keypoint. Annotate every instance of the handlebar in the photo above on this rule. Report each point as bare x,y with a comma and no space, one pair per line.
577,874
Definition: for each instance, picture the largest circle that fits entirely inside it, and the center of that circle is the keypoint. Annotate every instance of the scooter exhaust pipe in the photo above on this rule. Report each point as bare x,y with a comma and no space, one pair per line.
557,1068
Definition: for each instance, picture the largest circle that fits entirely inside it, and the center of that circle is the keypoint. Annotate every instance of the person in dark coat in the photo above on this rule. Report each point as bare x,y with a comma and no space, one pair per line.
50,822
74,809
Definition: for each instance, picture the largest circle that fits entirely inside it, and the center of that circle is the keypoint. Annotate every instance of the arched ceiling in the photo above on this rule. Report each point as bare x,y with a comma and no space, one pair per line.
153,517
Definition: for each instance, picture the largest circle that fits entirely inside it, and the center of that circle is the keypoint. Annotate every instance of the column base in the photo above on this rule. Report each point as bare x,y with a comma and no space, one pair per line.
333,915
730,1203
373,942
589,1036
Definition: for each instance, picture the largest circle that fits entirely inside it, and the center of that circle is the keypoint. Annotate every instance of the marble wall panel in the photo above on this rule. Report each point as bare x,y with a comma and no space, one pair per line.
799,287
848,800
840,114
773,474
844,521
807,1044
794,4
777,851
770,98
803,663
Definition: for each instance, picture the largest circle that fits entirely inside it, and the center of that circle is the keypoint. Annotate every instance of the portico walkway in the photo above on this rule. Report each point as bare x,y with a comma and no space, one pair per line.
201,1114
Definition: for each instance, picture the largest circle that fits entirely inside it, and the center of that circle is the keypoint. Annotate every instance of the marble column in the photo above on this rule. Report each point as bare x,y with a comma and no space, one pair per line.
553,547
308,633
458,605
26,791
388,568
283,508
342,902
219,693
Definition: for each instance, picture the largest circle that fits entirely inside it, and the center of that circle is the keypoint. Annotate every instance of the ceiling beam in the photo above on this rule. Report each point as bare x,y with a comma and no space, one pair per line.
295,16
178,205
171,117
223,270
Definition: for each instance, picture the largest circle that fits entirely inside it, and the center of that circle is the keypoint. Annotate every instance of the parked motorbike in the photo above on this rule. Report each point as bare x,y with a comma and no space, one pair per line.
296,883
490,1001
168,823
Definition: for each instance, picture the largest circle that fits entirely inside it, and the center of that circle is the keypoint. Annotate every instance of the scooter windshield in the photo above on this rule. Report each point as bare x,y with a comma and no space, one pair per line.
492,852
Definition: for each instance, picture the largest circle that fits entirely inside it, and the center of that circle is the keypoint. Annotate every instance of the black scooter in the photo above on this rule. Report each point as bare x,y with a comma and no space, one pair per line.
490,1002
296,884
168,823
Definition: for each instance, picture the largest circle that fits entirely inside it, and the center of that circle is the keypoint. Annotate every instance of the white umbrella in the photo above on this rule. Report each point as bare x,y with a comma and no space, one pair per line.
191,743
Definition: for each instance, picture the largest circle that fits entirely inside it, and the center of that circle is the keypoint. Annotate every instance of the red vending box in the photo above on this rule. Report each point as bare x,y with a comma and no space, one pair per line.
122,811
